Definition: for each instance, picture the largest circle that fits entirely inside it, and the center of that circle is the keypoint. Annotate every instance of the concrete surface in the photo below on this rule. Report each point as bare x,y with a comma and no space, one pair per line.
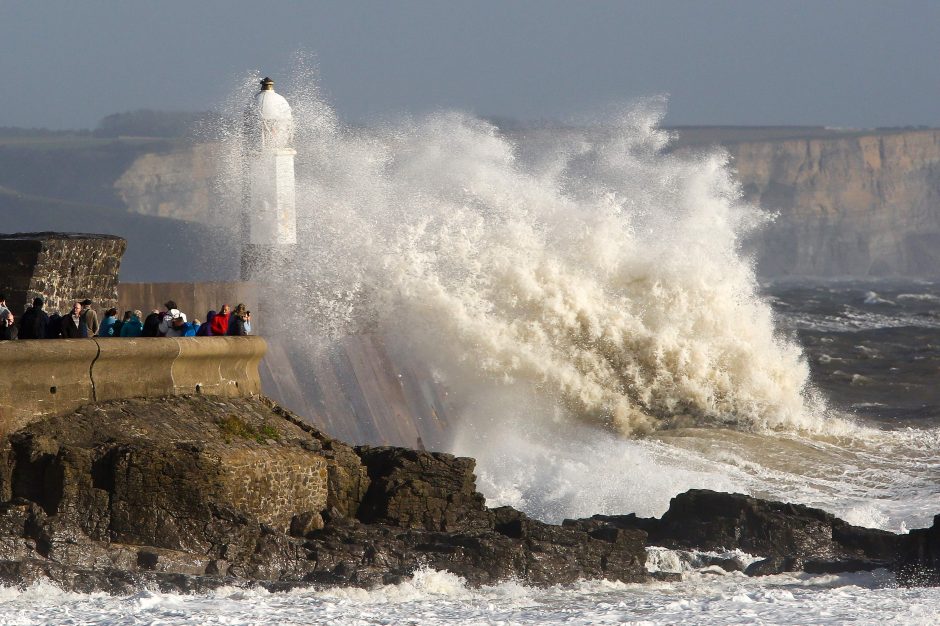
42,378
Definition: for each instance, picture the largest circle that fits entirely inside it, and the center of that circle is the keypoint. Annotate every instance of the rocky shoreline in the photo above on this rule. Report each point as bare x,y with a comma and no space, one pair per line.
191,493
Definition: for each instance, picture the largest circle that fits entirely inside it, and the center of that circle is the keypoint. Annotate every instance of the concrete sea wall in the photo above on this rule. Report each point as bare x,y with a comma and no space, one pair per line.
355,389
55,377
359,391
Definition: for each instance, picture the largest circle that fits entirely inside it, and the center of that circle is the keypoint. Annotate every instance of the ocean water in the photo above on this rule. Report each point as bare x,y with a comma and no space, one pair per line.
873,461
606,344
703,597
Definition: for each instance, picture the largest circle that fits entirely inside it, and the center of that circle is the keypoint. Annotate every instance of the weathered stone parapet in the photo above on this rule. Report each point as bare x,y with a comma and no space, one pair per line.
60,268
54,377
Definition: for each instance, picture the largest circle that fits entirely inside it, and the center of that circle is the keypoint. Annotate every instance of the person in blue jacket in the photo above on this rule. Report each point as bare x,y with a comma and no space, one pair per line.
132,326
106,329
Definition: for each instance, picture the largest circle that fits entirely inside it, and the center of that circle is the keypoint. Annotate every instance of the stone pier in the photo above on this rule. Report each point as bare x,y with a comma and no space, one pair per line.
60,268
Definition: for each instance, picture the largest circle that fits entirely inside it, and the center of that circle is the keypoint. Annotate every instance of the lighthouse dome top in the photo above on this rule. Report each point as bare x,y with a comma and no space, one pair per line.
269,119
270,104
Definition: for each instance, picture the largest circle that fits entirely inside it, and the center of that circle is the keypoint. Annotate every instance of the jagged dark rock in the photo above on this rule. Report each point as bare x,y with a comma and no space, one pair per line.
774,565
727,564
709,520
792,537
417,489
188,493
919,556
191,492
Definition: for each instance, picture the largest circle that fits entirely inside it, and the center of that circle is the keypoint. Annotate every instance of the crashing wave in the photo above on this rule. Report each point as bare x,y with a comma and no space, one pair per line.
600,270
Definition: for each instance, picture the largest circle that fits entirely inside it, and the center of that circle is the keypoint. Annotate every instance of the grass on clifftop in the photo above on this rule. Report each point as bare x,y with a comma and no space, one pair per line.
233,426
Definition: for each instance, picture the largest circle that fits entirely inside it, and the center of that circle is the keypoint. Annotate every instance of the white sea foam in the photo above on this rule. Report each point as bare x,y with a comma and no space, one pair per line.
567,294
923,297
602,272
687,562
704,596
878,479
853,319
872,297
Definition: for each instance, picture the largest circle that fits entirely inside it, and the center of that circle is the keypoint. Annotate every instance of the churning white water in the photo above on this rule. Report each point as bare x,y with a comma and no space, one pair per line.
572,290
705,597
602,273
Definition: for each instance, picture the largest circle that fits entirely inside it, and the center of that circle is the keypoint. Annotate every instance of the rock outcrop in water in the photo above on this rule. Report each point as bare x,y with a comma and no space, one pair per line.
189,493
195,492
792,537
919,556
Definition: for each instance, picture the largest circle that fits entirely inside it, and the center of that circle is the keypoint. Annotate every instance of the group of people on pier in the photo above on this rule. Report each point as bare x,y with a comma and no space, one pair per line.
82,322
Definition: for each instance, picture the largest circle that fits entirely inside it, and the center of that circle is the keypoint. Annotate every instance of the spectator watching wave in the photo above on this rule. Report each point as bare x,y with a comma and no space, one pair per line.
34,322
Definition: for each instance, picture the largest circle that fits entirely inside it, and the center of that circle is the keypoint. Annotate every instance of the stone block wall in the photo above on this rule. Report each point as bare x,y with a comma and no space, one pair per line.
273,483
60,268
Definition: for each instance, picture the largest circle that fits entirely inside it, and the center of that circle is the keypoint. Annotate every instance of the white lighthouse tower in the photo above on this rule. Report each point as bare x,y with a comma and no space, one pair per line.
271,221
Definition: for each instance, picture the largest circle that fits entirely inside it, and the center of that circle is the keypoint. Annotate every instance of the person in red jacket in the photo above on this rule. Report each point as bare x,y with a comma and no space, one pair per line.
219,325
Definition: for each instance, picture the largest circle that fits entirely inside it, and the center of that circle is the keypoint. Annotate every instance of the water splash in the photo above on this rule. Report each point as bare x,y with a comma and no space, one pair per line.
600,271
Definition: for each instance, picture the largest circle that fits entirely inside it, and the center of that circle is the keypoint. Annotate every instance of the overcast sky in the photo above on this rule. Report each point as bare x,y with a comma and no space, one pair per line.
68,63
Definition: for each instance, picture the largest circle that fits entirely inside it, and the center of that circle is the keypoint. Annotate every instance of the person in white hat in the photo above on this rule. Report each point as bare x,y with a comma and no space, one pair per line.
172,324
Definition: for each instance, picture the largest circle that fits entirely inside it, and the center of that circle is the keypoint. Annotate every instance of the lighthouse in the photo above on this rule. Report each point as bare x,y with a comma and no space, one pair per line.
270,226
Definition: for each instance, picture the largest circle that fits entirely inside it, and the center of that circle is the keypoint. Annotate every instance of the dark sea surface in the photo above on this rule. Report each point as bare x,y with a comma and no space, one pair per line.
873,347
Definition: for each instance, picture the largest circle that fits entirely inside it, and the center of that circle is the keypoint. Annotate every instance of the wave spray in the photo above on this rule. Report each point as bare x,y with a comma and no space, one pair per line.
596,270
567,289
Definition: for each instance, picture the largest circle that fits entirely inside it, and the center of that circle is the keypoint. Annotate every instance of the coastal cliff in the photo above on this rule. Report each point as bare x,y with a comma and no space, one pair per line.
849,203
860,205
195,492
176,184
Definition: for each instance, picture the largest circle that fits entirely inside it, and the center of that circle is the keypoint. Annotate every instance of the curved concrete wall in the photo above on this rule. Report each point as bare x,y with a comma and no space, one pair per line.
42,378
358,390
52,377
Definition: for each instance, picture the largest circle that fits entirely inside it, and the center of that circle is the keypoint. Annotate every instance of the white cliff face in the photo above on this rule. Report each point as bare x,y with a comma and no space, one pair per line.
865,204
178,184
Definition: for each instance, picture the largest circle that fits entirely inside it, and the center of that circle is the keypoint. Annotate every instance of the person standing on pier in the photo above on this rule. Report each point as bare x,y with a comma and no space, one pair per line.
90,318
73,324
236,325
34,322
6,320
